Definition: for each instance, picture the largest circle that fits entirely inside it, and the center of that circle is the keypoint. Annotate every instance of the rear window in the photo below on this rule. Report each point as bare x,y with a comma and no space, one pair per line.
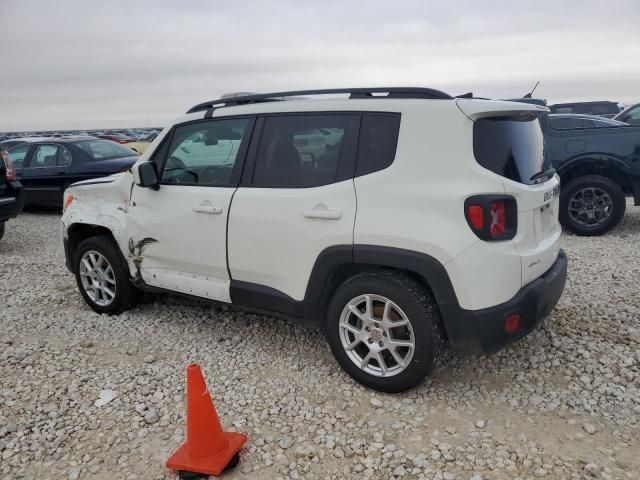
511,146
104,149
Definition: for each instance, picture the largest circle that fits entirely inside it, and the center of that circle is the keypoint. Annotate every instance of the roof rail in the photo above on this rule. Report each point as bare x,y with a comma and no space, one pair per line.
391,92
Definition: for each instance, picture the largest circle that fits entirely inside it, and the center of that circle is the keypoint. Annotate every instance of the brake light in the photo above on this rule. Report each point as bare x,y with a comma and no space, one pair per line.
10,172
475,213
492,217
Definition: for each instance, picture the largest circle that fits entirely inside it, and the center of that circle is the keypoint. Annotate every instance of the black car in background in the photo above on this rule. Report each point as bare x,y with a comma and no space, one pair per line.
47,167
598,167
10,191
567,121
602,108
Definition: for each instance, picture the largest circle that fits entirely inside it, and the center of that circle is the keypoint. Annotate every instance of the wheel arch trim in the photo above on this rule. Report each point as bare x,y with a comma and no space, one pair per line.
336,264
75,233
598,161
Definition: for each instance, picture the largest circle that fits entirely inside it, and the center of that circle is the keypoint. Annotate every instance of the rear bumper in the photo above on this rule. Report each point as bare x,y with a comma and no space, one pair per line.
482,331
12,205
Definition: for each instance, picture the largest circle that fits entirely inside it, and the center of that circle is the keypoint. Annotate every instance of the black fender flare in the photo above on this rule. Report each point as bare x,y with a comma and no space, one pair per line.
597,160
325,278
599,163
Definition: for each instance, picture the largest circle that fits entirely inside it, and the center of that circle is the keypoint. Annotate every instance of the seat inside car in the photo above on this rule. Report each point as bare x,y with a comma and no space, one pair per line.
50,161
283,161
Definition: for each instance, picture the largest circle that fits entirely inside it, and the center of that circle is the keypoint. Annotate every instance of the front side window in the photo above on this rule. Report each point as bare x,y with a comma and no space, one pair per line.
634,113
205,153
302,150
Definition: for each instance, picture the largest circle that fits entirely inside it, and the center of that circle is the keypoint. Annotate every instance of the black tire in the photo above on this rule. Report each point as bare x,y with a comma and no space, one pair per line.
126,295
612,189
422,312
2,229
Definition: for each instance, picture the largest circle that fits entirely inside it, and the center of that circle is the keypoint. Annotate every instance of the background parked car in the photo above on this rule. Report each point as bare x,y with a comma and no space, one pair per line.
10,191
115,137
142,145
45,168
601,108
7,144
567,121
598,168
630,115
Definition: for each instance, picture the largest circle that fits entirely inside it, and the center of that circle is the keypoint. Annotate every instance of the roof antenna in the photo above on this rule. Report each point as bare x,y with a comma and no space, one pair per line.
528,95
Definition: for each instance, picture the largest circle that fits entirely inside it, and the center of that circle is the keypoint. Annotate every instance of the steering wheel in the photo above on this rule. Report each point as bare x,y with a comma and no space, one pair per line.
212,172
174,163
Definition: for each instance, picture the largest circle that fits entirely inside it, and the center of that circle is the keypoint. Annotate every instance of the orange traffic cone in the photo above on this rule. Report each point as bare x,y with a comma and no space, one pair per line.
208,449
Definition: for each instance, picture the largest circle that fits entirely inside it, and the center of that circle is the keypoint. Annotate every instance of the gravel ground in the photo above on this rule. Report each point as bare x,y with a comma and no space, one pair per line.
562,403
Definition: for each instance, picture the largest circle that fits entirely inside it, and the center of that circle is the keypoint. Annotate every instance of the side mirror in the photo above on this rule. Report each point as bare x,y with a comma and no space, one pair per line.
145,175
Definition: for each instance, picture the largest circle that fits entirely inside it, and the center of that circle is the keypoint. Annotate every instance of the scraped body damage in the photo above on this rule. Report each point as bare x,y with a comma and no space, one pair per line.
105,203
108,203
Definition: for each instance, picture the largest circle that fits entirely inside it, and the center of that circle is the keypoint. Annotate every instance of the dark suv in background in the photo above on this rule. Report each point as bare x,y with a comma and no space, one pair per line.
10,191
599,166
603,108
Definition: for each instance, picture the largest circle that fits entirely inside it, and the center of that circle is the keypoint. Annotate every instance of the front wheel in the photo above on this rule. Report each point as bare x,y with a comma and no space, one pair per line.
591,205
102,276
2,229
384,330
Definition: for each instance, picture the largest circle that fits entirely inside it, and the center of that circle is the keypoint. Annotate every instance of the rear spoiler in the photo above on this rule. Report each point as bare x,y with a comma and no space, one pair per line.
475,108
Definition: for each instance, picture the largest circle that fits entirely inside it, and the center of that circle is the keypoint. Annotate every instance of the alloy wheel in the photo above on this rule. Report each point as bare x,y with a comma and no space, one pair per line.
98,278
590,206
377,335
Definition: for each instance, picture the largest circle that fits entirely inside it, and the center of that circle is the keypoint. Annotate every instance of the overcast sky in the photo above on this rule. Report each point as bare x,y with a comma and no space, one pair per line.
110,63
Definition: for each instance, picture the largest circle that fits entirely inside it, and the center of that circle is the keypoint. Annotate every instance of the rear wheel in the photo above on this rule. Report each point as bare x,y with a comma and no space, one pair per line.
2,229
591,205
384,330
102,276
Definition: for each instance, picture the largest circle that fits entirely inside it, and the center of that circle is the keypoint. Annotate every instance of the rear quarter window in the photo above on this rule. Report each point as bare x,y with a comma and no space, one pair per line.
510,146
378,142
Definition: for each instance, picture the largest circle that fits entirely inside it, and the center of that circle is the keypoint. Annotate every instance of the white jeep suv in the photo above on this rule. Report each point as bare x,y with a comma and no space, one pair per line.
399,220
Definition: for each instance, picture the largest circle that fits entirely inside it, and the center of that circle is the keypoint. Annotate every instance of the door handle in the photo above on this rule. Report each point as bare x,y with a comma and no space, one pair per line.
325,214
207,209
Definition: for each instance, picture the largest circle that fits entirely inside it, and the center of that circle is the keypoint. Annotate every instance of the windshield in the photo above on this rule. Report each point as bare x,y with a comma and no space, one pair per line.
104,149
511,146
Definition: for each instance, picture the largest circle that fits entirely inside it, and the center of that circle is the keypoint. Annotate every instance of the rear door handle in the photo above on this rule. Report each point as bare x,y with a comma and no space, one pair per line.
207,209
323,214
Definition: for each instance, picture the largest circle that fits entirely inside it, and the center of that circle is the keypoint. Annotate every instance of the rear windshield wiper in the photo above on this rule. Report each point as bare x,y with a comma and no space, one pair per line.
543,174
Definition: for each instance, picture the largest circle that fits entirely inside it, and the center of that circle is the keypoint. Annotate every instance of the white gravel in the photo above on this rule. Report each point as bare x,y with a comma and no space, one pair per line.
562,403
